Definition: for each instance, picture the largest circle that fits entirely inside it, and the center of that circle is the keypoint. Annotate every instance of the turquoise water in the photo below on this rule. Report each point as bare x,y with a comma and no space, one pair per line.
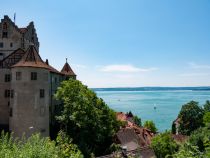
142,103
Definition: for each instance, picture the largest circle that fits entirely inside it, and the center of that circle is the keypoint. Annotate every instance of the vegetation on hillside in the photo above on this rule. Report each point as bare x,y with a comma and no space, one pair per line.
37,147
149,124
86,118
195,123
164,145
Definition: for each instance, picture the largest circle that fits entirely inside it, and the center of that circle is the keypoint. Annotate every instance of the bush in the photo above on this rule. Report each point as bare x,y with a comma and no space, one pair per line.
137,120
200,138
35,147
206,118
188,151
150,125
207,106
164,145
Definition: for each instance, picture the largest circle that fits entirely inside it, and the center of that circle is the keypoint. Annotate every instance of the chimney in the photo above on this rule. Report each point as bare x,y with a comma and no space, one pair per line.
47,62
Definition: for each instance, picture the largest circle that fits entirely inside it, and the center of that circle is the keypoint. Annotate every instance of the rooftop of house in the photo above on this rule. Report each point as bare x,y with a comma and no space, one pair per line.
132,135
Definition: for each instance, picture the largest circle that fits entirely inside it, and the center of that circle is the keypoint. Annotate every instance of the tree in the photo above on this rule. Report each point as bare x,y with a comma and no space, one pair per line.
207,106
200,138
150,125
191,117
206,118
86,118
137,120
164,145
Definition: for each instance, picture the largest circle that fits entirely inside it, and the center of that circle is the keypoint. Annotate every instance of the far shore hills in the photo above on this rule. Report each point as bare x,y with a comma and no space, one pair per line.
202,88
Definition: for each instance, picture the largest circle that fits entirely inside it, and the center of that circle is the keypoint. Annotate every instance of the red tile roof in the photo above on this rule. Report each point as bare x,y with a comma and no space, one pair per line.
66,70
33,59
141,135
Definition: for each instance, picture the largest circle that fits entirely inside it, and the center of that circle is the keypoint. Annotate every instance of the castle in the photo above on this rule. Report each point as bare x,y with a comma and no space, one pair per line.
27,83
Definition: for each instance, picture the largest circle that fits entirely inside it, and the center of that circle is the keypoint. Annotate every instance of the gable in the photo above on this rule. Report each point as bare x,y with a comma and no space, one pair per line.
12,59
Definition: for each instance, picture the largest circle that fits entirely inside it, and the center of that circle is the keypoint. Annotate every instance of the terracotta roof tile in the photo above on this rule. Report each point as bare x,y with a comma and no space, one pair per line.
33,59
66,70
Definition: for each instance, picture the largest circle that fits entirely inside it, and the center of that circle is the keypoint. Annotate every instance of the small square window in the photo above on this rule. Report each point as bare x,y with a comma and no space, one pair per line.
11,44
7,78
1,44
42,93
33,76
18,75
7,93
4,35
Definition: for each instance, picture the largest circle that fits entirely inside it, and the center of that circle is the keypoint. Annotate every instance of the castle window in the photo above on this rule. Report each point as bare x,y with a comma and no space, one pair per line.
33,76
7,78
11,44
1,44
18,75
41,93
12,93
10,112
7,93
4,35
5,26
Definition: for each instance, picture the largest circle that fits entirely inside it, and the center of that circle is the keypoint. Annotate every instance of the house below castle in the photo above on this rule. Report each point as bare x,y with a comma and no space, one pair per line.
27,83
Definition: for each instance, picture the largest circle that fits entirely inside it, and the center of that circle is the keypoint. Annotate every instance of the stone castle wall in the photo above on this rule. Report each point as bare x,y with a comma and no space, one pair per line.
30,111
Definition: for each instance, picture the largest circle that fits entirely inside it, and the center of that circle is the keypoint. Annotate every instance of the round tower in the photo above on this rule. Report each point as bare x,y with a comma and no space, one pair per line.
30,86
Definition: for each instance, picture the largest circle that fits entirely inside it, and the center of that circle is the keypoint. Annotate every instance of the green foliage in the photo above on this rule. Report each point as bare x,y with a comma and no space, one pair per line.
66,148
191,117
206,118
188,151
173,128
35,147
86,118
137,120
163,145
200,138
207,106
149,124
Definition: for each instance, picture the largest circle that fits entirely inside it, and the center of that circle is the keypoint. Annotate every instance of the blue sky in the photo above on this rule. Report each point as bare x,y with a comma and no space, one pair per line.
122,43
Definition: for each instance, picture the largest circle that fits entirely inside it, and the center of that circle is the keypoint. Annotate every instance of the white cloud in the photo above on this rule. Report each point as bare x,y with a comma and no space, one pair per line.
125,68
197,66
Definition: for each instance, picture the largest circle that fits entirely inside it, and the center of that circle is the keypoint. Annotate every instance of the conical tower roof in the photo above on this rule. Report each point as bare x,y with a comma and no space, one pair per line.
32,59
67,70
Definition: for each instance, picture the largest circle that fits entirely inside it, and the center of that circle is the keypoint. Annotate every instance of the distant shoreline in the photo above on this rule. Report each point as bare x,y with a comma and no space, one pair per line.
207,88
